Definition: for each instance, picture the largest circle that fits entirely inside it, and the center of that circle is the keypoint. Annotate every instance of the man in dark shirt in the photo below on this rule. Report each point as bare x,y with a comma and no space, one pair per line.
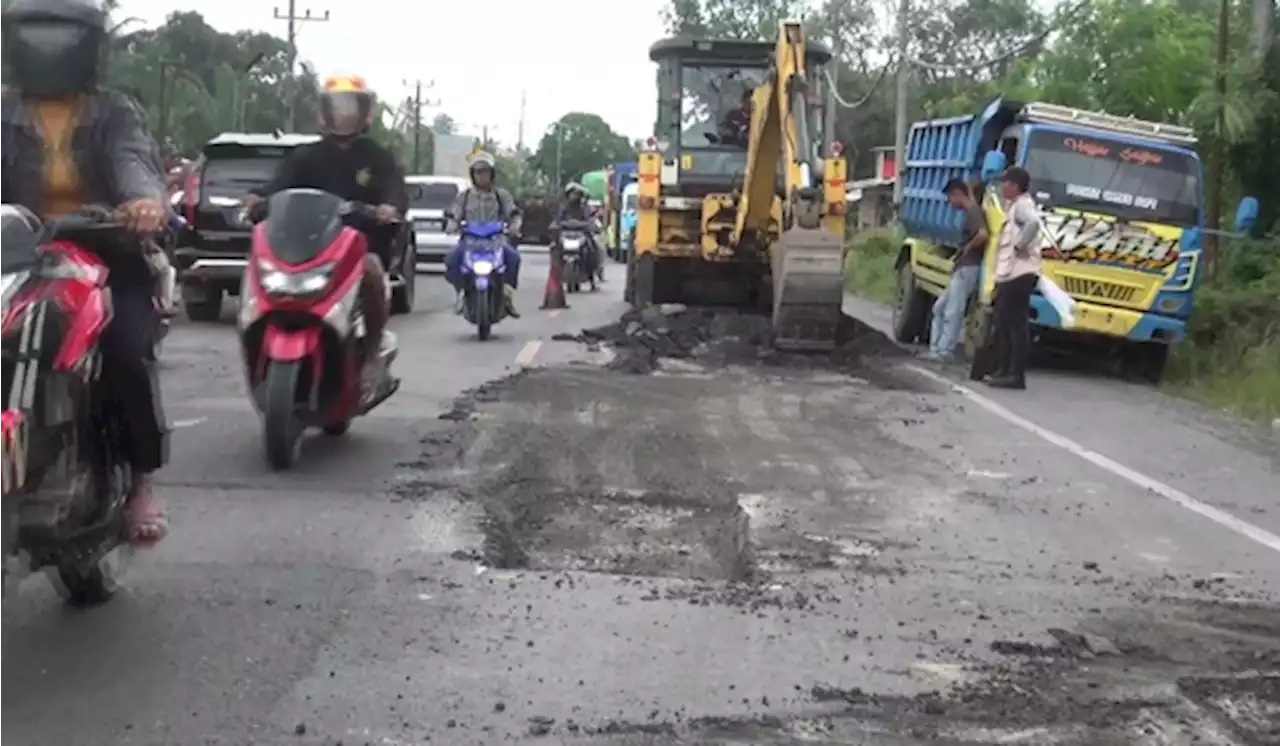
577,208
735,126
350,165
949,309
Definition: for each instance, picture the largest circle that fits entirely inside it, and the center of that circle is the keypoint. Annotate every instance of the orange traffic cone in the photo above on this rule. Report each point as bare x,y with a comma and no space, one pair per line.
554,297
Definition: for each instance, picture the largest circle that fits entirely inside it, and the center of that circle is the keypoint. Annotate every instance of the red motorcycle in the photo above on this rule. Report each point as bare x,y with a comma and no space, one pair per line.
66,478
301,322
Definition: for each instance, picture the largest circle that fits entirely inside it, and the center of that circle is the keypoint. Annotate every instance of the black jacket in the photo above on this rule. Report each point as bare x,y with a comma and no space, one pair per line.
115,156
362,172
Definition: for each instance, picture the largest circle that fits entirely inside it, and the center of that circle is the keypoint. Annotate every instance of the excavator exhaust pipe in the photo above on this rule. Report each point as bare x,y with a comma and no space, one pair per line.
808,289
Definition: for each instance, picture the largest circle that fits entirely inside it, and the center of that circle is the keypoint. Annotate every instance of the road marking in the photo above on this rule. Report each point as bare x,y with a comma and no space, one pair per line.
528,353
178,424
1220,517
553,314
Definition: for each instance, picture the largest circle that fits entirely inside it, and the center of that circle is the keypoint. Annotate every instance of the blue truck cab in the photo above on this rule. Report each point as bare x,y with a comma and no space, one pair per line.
1121,202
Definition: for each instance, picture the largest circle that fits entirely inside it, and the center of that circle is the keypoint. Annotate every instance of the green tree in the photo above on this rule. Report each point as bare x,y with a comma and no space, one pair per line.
577,143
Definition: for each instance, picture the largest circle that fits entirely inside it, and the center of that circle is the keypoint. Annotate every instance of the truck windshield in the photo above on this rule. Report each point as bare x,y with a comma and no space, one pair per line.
1130,182
712,104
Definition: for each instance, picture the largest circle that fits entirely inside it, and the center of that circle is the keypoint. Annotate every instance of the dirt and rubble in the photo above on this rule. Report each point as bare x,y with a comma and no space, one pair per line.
801,491
722,337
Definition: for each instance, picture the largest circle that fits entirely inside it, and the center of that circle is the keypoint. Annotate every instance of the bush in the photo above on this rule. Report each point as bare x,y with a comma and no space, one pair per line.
1231,359
868,264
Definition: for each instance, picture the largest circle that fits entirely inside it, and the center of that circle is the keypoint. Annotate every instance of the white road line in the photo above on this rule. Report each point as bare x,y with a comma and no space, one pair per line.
553,314
1220,517
178,424
528,353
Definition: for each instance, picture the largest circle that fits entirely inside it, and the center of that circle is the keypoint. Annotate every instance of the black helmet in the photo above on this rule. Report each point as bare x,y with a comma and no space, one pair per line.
54,47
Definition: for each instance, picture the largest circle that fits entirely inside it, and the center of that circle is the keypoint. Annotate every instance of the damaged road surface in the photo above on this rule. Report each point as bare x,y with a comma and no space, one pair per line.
700,540
670,533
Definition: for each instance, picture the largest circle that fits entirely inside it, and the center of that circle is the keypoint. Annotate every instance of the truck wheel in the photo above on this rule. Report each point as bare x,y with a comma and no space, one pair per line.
978,345
206,310
911,309
1145,362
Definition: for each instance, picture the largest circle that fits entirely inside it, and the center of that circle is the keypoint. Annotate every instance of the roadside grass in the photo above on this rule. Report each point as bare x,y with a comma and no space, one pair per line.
868,264
1231,358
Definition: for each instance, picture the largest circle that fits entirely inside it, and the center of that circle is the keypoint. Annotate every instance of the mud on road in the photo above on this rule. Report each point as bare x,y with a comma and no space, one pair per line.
817,494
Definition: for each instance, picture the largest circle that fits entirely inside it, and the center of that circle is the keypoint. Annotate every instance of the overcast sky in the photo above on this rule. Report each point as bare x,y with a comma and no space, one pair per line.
568,55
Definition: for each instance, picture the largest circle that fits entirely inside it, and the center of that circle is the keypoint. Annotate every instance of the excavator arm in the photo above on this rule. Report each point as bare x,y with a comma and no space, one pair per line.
807,250
779,133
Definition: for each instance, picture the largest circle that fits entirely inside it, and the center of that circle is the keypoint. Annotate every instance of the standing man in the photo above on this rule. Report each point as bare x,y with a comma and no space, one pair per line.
1017,273
949,309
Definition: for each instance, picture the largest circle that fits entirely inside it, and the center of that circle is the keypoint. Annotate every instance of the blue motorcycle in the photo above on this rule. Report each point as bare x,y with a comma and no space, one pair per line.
483,268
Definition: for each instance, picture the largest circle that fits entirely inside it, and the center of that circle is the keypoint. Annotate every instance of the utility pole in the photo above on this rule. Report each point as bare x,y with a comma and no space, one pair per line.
292,18
520,129
417,126
829,119
1218,155
900,105
484,137
559,148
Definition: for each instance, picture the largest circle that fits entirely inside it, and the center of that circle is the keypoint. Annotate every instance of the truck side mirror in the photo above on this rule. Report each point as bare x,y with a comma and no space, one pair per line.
993,164
1246,215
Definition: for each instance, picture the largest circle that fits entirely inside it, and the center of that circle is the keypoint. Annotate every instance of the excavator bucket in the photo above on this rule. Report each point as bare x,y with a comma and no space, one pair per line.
808,289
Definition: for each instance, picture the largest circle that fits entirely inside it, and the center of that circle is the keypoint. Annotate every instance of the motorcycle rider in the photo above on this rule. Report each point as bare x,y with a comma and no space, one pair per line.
577,207
349,164
68,143
484,202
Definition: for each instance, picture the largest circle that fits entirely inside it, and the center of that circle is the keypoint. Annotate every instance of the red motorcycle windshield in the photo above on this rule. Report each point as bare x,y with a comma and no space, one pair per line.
302,223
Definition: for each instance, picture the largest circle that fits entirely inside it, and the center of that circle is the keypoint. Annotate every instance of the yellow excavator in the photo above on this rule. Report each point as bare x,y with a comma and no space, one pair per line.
738,200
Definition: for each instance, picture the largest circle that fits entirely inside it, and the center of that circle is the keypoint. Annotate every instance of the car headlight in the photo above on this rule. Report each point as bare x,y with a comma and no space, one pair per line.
308,282
483,267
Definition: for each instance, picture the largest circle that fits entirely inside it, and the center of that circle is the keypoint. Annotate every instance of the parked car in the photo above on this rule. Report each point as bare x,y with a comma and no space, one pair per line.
212,258
429,197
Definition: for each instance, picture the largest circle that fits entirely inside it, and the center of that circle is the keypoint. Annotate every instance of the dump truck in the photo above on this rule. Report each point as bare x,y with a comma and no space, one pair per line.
739,202
1122,204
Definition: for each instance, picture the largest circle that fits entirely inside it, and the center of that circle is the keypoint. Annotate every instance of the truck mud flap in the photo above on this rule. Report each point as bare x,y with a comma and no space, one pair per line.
808,289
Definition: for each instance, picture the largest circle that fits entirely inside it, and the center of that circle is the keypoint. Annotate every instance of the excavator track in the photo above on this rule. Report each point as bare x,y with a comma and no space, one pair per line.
808,289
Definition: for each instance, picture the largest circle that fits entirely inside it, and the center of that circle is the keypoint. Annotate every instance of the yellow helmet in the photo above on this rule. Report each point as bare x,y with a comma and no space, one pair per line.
346,106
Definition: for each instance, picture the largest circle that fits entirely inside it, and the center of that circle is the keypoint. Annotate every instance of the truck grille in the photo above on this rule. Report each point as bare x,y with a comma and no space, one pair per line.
1111,292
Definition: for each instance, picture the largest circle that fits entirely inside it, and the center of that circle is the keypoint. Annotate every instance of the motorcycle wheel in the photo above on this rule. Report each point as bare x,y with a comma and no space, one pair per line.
282,432
86,584
339,429
483,314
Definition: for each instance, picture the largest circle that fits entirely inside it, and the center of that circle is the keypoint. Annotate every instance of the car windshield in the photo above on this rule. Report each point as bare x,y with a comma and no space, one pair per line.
712,101
432,196
1130,182
233,178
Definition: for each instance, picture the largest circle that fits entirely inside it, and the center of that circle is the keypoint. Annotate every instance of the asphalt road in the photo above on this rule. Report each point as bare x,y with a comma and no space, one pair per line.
728,550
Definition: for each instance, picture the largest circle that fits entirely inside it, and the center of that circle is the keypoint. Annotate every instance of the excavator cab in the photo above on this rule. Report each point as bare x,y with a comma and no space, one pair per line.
736,156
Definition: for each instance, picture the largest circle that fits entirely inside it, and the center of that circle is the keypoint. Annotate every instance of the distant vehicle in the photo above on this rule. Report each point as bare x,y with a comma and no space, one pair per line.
212,259
429,198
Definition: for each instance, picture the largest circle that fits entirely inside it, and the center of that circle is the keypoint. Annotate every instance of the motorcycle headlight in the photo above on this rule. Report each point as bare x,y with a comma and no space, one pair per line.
483,267
572,244
308,282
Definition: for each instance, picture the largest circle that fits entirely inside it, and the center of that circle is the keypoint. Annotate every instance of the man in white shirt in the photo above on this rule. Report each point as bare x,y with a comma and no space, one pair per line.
1017,273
